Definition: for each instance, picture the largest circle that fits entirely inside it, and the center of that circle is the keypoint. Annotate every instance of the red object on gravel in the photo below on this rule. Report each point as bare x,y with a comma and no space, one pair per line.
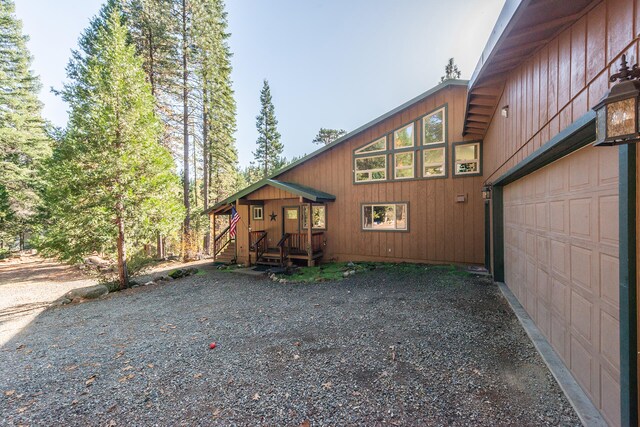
212,345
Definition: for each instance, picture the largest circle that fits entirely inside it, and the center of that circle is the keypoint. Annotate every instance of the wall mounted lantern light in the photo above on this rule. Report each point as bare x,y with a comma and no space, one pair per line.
486,192
617,120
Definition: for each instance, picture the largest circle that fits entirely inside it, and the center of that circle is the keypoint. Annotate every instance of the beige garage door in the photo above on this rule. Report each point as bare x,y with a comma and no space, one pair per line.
561,262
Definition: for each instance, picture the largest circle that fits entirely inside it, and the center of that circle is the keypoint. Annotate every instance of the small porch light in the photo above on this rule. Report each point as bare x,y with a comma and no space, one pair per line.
505,111
617,113
486,192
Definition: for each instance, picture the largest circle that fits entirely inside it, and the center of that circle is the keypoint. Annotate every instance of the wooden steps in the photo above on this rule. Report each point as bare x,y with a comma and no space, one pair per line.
228,254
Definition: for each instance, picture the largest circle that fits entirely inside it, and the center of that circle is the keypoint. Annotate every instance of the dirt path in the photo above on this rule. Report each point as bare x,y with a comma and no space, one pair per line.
28,285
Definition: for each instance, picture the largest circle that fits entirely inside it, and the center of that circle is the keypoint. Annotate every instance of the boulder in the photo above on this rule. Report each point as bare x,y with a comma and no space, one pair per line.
90,292
97,261
149,283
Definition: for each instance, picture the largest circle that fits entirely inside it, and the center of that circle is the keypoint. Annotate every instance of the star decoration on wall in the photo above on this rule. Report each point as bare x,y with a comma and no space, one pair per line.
273,216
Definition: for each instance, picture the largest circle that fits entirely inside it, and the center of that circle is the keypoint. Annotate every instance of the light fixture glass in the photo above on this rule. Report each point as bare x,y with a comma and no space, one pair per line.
617,113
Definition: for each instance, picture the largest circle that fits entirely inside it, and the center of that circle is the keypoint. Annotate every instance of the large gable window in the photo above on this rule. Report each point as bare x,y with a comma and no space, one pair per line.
466,158
373,168
379,144
403,137
385,217
433,126
404,165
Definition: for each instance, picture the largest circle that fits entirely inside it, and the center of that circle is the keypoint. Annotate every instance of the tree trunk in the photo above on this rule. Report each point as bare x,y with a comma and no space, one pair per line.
185,104
159,247
123,277
205,161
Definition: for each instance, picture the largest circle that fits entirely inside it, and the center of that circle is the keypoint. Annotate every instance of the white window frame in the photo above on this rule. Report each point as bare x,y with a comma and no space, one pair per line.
395,207
413,136
396,167
426,165
369,171
457,161
361,150
444,127
255,217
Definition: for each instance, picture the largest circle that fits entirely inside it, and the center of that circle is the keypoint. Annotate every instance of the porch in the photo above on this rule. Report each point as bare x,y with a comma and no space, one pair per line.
279,224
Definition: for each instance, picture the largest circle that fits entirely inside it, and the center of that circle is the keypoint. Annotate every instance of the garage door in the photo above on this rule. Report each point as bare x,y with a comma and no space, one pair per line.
561,262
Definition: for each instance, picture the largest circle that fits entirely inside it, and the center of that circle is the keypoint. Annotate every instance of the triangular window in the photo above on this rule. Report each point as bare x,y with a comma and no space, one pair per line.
377,145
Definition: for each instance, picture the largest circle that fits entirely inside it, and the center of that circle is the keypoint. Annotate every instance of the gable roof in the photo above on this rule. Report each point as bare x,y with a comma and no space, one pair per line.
265,181
290,187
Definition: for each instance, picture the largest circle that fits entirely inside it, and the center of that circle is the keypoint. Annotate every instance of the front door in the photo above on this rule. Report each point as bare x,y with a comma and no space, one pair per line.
291,220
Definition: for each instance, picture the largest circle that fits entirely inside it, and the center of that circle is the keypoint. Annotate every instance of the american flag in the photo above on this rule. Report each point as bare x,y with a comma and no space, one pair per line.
234,221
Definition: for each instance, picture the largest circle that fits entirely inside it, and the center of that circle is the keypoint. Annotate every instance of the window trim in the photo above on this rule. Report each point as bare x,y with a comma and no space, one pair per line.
314,205
253,213
387,230
454,160
356,171
445,173
413,136
358,151
445,124
412,167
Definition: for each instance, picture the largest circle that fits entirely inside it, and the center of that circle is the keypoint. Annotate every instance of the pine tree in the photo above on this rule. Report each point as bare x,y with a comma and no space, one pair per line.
213,57
269,151
153,31
327,136
451,71
24,143
109,183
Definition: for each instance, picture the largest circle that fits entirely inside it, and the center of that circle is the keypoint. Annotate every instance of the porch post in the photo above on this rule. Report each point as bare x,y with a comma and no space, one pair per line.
311,261
212,227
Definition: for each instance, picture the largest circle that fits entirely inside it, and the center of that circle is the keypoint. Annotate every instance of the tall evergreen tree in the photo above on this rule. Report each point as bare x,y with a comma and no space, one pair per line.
153,30
219,107
213,64
109,183
23,140
269,151
327,136
451,71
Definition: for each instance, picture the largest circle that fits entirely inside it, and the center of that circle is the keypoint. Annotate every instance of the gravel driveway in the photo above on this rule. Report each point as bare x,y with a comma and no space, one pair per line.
386,347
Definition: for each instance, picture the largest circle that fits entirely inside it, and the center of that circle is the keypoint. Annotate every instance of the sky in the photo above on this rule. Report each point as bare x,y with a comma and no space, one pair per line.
330,63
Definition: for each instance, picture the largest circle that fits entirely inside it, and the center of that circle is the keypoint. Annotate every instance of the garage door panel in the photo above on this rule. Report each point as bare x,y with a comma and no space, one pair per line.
582,316
556,216
610,339
609,276
581,262
561,261
580,218
608,219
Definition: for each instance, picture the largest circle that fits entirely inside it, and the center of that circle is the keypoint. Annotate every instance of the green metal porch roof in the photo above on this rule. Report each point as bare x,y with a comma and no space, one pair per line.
290,187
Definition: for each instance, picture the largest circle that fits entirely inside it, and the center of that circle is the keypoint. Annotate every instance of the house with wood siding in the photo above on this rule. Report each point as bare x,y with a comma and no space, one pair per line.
500,170
375,194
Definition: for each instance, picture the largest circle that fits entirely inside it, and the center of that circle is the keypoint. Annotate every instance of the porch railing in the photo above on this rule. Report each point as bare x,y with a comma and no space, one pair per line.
221,241
284,245
299,242
258,242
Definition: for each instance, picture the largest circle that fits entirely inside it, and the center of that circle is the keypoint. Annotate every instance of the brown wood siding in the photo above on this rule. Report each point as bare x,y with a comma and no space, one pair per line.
560,83
440,230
